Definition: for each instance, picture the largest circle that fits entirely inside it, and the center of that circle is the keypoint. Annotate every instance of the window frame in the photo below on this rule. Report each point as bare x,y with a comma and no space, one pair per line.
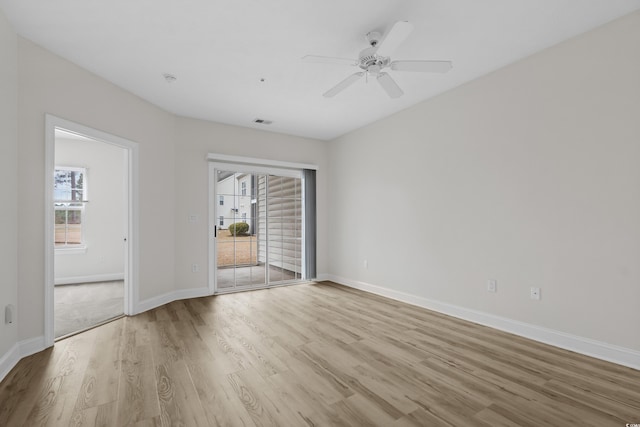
71,205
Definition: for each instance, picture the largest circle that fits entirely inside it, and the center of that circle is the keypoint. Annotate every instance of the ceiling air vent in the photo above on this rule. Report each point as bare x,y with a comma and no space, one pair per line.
262,121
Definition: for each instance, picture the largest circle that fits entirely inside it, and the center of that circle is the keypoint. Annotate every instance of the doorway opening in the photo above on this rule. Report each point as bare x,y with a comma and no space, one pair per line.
89,196
90,204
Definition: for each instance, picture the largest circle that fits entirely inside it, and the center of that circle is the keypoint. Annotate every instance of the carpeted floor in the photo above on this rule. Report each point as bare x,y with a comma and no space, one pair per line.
79,307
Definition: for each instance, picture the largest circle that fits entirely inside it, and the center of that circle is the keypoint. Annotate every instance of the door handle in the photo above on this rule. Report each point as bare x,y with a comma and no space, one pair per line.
215,231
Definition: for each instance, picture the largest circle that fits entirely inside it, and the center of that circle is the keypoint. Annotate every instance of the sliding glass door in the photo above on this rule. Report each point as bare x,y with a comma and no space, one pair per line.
280,217
258,234
237,233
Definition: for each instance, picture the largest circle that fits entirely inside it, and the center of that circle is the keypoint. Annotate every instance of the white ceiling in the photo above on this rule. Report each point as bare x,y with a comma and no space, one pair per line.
220,49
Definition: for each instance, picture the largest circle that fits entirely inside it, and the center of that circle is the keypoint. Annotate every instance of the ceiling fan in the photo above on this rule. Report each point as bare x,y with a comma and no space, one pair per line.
374,59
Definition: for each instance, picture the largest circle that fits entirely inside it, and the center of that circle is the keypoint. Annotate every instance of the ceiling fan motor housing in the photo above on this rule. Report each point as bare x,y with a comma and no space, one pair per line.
368,59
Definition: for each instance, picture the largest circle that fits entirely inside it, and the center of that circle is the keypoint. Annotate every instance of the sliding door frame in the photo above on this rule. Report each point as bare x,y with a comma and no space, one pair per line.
254,166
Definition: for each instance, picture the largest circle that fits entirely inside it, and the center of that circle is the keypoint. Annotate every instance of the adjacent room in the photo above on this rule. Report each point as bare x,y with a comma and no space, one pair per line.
390,213
90,215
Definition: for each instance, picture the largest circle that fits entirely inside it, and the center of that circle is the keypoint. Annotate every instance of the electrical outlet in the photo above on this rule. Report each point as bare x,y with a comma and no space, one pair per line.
9,313
492,285
535,293
195,268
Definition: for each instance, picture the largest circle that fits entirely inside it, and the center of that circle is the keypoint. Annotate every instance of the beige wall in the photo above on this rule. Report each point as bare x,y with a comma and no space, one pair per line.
49,84
172,175
8,177
528,175
196,138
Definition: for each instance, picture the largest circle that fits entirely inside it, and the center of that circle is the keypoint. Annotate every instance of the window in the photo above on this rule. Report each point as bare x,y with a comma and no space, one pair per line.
69,195
221,201
221,219
243,187
244,217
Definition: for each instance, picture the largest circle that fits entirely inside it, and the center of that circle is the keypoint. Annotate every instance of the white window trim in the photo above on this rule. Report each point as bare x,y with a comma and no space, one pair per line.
77,249
74,248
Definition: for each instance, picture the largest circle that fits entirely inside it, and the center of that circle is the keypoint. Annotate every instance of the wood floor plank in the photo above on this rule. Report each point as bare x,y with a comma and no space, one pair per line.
352,381
252,354
149,422
42,411
303,397
100,383
318,369
137,392
492,418
220,355
179,402
378,383
311,355
316,381
48,393
357,411
262,405
166,344
21,387
602,403
97,416
421,418
220,402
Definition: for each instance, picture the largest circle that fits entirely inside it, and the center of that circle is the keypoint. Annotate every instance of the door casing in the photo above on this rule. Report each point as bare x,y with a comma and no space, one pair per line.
131,292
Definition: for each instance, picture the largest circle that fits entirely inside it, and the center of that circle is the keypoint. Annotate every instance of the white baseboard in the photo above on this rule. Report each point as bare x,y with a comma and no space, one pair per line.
18,351
597,349
159,300
9,360
31,346
88,279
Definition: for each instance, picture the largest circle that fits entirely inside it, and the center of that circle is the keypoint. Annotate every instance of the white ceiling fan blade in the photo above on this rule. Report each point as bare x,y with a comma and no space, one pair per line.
389,85
329,60
422,66
394,37
343,85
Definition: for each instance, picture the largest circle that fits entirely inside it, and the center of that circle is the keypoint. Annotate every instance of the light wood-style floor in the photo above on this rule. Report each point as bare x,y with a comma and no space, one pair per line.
311,355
